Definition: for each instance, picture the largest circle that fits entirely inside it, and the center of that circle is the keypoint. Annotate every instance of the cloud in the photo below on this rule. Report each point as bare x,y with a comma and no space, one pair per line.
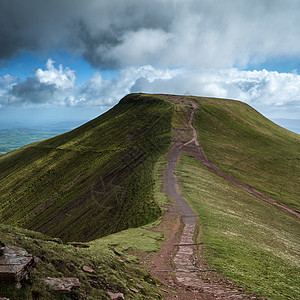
6,82
139,47
32,91
268,91
163,33
98,91
52,85
56,86
61,78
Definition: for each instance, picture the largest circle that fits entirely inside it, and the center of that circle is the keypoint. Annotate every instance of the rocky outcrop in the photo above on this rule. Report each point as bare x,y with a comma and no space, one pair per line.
63,284
15,264
115,296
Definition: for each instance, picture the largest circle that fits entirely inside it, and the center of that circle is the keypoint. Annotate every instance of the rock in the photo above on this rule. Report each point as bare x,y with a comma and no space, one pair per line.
16,264
134,290
88,269
63,284
139,286
115,296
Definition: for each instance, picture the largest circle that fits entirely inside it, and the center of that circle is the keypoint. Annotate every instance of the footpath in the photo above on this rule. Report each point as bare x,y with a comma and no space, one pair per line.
179,264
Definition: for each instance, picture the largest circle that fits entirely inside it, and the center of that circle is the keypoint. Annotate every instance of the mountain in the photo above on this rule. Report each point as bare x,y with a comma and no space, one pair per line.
92,181
98,179
105,182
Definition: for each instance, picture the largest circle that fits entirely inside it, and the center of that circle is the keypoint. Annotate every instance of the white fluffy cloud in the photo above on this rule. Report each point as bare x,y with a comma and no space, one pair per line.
98,91
52,85
272,93
61,78
56,86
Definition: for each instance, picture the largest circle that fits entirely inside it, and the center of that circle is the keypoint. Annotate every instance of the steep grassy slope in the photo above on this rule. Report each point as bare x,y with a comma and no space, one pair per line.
250,241
252,149
93,181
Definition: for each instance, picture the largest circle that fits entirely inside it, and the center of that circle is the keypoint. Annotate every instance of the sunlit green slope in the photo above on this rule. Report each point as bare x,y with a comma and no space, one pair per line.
251,148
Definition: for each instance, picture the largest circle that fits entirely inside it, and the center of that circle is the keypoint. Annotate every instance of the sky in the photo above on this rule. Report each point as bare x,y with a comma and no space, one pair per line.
73,59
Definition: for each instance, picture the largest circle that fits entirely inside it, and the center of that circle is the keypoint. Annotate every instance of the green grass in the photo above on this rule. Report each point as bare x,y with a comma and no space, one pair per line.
111,256
251,148
249,241
115,269
93,181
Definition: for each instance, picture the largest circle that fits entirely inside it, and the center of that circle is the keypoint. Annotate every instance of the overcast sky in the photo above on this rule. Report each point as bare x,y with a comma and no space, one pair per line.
80,57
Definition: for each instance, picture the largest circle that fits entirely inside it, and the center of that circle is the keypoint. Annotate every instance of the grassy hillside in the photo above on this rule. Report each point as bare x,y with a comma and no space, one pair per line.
251,148
95,180
250,241
101,178
247,240
115,270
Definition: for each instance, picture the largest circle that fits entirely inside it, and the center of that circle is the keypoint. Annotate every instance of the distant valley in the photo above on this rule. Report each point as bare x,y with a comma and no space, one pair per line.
14,136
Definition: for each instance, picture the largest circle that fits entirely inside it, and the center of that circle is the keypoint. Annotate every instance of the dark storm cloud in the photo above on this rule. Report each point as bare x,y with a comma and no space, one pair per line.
118,33
32,91
91,28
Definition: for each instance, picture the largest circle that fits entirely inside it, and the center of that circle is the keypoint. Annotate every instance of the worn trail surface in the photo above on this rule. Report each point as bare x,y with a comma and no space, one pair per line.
187,271
178,264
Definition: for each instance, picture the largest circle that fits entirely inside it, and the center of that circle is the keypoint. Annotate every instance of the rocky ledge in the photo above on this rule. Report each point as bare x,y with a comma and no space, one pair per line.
15,264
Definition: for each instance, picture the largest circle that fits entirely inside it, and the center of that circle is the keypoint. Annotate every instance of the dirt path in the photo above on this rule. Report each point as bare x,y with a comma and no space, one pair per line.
178,264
